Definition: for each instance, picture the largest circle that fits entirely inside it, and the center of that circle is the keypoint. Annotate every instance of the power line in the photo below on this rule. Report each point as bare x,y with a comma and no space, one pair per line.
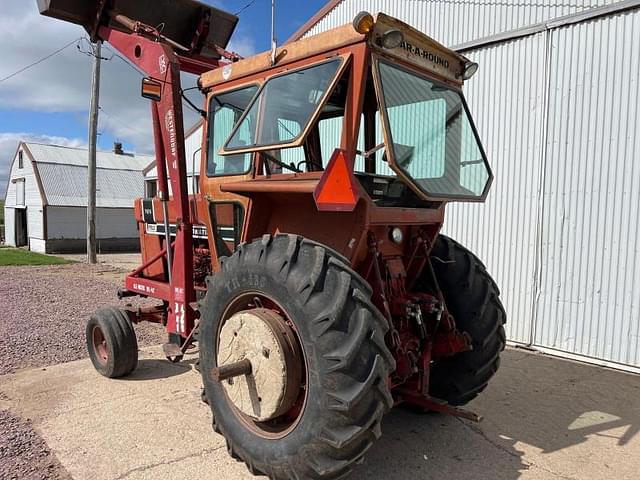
246,7
126,62
40,61
127,126
90,52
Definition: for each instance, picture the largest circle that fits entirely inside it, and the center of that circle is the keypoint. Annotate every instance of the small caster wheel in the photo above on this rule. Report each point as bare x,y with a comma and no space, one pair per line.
112,343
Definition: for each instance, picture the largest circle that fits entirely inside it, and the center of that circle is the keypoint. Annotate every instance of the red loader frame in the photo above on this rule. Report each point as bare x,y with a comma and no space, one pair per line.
161,64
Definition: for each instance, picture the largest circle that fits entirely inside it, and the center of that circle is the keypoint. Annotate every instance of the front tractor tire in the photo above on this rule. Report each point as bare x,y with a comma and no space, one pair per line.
112,343
338,362
472,297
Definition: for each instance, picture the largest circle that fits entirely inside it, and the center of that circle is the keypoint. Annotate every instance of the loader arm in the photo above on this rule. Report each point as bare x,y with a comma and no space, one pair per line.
185,40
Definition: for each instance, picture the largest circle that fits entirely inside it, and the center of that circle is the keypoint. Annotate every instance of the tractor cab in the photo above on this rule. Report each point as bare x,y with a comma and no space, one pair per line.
375,107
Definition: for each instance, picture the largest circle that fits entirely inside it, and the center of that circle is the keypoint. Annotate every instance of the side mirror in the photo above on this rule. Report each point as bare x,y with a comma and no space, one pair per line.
152,89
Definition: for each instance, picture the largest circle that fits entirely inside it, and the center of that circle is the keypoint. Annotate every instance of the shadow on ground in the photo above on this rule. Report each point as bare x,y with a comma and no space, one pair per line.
156,369
544,418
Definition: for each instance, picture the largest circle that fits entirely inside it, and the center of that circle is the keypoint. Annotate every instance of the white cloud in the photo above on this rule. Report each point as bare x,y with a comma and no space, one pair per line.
243,45
62,83
9,144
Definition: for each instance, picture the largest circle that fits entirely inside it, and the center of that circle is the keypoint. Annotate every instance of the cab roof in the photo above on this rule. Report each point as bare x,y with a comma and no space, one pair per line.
417,49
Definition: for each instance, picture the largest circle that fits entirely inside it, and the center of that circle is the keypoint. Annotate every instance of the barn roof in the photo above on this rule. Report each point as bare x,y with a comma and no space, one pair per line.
59,155
63,176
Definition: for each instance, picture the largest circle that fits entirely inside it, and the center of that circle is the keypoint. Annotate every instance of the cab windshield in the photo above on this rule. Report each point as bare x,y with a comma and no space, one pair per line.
433,141
284,107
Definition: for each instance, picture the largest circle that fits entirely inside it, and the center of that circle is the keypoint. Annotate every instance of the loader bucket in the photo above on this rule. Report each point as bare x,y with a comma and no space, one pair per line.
178,20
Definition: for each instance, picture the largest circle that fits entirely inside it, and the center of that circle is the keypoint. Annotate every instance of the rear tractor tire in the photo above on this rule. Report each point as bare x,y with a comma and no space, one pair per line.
296,310
472,297
112,343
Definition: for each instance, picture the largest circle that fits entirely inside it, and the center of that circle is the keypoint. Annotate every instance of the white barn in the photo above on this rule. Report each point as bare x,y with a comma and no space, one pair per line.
556,103
193,156
46,199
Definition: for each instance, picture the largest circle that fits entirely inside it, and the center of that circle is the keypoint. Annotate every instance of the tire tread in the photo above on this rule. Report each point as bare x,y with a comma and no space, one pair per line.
356,367
472,296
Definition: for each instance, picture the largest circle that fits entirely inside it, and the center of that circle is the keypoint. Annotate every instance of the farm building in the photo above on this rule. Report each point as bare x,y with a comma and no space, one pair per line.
193,155
46,200
557,104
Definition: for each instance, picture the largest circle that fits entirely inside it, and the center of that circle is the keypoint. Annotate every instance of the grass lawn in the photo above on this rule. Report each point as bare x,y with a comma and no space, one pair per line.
16,256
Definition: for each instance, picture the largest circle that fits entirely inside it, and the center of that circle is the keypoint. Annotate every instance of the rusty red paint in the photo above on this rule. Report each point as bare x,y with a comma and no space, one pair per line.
100,345
160,62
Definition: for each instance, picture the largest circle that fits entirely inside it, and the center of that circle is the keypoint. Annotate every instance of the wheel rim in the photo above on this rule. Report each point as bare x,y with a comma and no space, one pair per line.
286,422
100,345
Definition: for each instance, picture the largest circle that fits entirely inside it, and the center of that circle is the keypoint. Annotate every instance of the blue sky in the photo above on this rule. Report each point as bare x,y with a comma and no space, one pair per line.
49,102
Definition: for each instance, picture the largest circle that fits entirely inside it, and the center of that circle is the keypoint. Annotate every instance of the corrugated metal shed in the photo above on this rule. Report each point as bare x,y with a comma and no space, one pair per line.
66,186
508,107
63,175
589,287
453,22
558,108
564,207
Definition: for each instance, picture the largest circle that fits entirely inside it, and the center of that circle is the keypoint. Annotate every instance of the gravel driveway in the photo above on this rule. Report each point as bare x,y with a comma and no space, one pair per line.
44,311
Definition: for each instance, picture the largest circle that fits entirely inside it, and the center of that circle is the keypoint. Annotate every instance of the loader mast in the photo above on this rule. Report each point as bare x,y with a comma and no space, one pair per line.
159,61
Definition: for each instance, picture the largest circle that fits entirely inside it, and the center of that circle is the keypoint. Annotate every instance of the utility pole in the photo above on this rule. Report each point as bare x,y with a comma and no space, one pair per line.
91,165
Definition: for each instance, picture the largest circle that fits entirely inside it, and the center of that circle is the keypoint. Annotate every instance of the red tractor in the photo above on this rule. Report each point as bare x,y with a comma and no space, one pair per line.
309,267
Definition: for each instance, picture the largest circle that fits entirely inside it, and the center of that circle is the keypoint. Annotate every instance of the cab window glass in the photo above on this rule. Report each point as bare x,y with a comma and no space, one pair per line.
225,111
295,157
331,134
288,99
431,135
426,134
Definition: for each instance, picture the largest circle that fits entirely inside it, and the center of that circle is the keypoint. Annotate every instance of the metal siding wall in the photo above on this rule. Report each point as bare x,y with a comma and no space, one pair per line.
33,200
70,222
453,22
35,222
506,100
590,287
193,144
37,245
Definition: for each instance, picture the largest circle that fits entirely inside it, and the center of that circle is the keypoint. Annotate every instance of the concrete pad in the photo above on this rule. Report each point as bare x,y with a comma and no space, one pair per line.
545,418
